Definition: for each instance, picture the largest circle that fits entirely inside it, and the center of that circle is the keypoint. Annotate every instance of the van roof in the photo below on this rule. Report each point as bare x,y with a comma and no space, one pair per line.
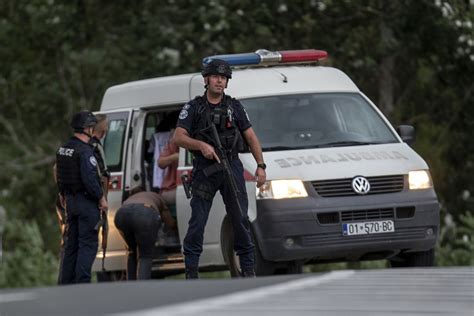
245,83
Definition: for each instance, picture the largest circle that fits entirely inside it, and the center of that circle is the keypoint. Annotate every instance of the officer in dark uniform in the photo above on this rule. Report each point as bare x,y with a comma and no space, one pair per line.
191,133
100,130
80,188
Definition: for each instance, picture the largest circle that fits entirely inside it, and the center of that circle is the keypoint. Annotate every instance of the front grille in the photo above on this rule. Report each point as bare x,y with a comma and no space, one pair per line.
360,215
328,218
343,187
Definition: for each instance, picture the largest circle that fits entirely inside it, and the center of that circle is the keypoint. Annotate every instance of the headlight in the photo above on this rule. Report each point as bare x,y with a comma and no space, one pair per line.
282,189
419,180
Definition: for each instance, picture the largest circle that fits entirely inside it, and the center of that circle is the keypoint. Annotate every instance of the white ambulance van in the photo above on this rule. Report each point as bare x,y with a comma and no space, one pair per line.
343,183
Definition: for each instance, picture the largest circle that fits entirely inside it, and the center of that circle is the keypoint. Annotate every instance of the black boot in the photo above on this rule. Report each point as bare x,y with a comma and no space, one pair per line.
248,273
192,273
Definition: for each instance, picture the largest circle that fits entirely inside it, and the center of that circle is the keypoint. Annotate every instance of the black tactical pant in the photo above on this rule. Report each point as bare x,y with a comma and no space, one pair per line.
82,239
204,190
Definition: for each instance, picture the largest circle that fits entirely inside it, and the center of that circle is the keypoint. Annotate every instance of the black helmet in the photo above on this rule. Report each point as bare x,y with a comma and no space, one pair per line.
82,120
217,67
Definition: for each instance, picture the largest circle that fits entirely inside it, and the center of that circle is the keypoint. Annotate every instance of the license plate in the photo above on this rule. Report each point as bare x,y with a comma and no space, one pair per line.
367,228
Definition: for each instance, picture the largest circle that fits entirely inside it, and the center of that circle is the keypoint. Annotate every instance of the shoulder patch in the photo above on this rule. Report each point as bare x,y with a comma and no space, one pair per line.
247,115
183,114
93,161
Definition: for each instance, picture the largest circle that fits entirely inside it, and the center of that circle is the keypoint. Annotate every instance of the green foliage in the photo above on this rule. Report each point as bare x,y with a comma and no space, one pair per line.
456,246
26,263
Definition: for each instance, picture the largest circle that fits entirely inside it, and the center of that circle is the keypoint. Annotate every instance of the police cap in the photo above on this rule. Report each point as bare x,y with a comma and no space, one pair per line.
217,67
82,120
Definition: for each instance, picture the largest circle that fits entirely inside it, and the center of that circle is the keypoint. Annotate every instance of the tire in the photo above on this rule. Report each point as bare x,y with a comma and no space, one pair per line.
423,258
294,267
227,245
414,259
398,263
110,276
262,266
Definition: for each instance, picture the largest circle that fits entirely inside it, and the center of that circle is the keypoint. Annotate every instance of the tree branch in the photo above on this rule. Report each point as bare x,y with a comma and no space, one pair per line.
19,165
66,90
20,144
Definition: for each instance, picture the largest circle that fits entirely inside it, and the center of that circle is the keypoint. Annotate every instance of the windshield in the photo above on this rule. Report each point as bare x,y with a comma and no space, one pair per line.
316,120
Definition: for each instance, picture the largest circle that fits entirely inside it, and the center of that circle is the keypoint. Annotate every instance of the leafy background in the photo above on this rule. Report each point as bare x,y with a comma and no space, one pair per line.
414,59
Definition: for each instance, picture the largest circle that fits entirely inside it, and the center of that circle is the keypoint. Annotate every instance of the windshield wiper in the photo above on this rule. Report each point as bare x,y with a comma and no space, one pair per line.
348,143
275,148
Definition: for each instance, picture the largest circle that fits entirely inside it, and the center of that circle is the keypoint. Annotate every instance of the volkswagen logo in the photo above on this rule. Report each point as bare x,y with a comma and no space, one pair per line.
360,185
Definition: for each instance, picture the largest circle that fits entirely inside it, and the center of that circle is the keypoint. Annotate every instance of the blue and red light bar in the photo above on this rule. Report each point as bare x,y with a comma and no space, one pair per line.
263,57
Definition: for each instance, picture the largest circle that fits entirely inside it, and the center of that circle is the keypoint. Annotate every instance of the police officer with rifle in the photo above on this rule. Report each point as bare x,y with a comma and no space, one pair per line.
215,128
81,192
99,132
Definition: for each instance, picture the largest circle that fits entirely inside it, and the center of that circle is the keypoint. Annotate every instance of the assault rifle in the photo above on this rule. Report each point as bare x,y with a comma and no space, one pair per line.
103,224
224,165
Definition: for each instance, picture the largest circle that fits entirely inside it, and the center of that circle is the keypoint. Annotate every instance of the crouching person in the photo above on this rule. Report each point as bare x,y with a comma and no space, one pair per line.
138,221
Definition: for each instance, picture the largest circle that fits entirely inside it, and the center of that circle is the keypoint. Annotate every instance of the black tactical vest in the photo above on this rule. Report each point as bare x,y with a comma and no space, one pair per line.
223,118
68,167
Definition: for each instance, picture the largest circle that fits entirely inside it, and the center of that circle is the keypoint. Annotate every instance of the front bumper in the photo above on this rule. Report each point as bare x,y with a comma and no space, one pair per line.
293,229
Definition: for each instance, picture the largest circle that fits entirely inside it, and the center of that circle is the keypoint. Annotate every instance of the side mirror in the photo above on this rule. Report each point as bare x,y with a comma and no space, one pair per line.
407,133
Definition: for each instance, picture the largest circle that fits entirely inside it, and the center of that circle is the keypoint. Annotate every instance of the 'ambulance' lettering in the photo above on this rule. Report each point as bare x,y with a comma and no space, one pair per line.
340,157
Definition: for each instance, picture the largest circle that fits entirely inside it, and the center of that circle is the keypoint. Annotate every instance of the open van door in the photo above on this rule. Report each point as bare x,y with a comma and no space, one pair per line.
183,207
116,154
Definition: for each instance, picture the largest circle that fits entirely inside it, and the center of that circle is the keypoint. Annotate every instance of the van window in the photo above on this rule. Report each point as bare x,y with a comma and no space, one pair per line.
151,122
114,141
316,120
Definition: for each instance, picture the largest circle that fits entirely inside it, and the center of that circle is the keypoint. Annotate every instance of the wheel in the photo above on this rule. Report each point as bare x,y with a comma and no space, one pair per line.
262,266
414,259
422,259
294,267
398,263
227,244
111,276
290,267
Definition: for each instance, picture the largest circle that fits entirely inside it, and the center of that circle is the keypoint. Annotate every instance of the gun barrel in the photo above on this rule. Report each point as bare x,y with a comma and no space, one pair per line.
105,232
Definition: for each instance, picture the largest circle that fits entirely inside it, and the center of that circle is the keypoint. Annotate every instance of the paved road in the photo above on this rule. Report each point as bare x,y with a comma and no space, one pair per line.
422,291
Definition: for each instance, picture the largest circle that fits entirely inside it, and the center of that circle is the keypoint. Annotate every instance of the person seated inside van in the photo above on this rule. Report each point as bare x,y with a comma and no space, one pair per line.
168,161
157,143
138,221
161,138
